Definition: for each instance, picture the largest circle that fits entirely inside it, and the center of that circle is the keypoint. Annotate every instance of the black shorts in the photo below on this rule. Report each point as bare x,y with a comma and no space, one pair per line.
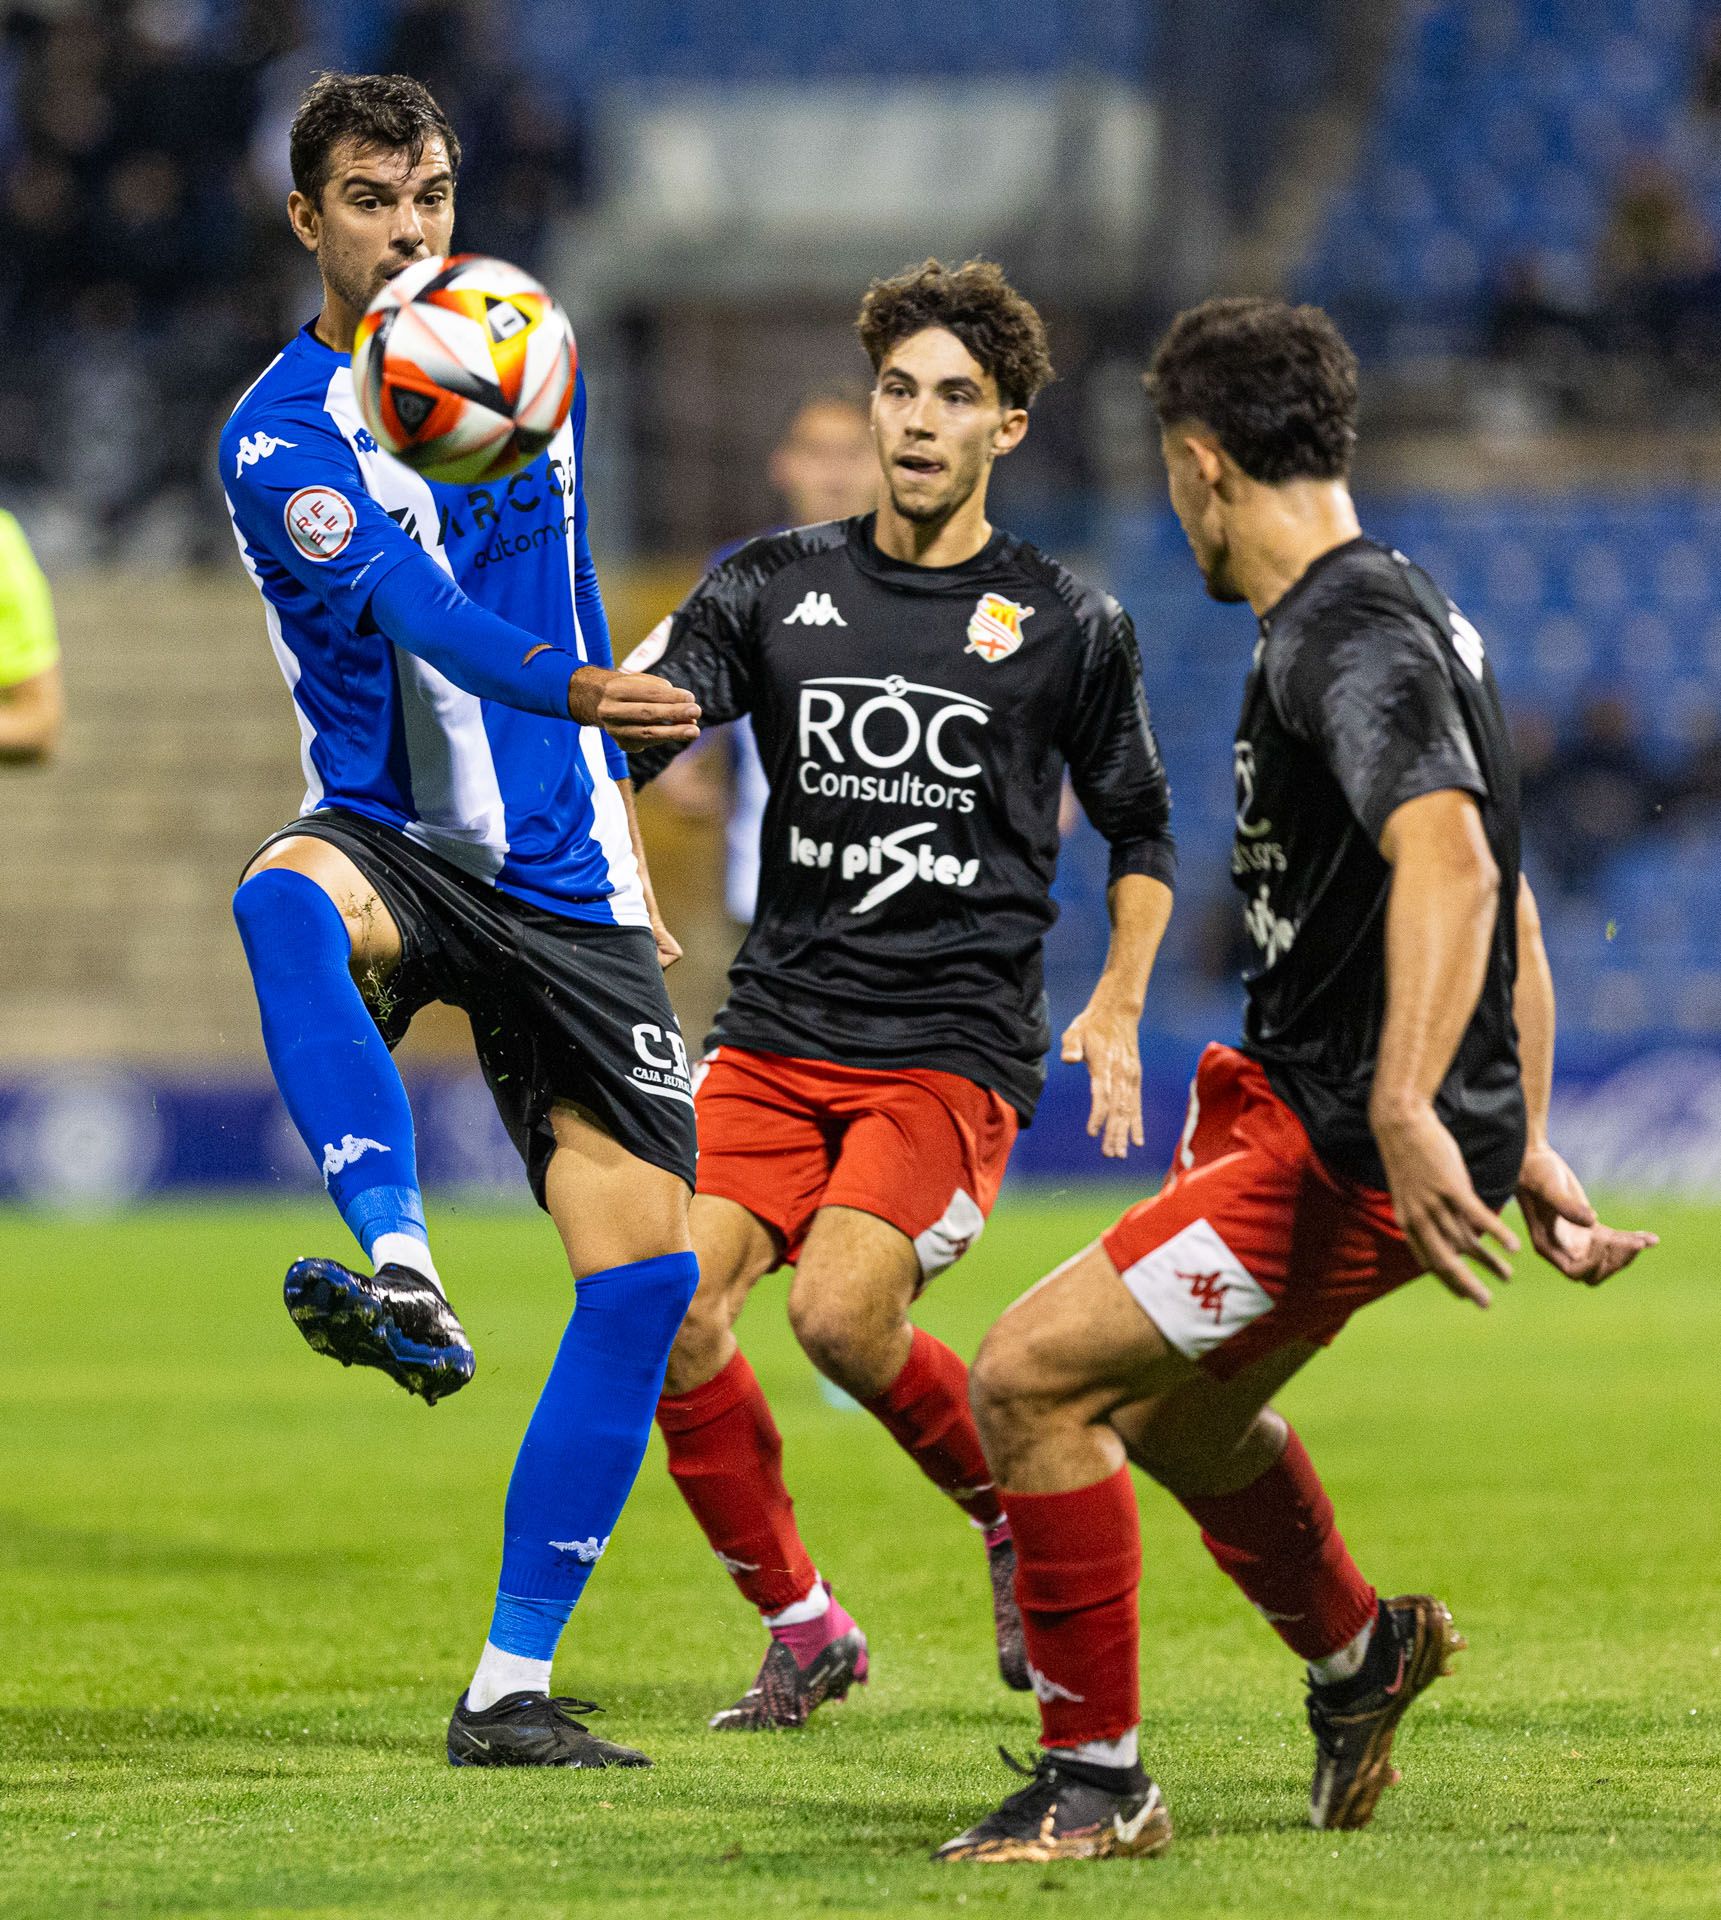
561,1010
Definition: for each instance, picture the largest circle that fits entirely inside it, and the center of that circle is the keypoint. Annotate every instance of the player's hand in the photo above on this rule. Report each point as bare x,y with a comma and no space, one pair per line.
635,709
1563,1226
1443,1216
668,947
1108,1038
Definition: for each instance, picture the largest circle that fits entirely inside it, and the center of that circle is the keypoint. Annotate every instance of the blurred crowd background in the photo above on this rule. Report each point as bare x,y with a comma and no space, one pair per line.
1513,207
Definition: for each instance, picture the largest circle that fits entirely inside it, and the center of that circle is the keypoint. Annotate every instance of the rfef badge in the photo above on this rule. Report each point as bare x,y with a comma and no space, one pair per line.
995,630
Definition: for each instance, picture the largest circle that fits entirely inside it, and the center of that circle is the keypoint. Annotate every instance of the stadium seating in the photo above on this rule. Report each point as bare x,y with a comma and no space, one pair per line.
612,42
1504,130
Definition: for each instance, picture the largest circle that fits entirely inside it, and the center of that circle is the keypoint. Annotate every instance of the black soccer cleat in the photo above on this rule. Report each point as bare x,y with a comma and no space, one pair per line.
532,1730
1007,1618
394,1320
784,1694
1354,1721
1069,1811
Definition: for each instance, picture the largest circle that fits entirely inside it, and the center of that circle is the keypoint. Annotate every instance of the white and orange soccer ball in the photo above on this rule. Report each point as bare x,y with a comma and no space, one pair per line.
464,368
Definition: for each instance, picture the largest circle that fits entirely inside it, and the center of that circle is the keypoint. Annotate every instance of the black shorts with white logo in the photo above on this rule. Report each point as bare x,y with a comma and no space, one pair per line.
568,1011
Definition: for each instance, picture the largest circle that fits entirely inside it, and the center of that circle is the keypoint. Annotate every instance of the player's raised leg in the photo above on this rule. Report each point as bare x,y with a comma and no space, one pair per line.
317,938
623,1222
726,1456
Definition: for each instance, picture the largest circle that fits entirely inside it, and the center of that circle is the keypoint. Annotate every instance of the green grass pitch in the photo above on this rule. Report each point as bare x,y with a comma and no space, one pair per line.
241,1589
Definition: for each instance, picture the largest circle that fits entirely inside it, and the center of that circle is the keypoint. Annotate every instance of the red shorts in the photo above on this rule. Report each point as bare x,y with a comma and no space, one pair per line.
1252,1243
921,1149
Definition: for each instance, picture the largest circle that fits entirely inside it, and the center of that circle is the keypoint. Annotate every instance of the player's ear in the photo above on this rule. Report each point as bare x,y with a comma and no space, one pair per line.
304,217
1208,457
1012,431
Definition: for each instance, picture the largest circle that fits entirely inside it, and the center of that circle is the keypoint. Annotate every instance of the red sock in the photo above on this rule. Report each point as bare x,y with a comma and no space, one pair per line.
925,1409
726,1456
1078,1565
1277,1540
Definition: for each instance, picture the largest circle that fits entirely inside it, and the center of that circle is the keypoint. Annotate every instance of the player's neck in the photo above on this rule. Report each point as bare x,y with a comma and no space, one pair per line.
934,543
336,324
1289,528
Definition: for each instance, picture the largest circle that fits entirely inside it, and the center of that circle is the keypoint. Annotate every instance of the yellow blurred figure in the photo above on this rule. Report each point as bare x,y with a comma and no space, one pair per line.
32,699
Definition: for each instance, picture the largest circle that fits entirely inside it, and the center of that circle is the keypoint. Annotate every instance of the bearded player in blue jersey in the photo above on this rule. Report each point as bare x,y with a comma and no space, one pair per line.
467,836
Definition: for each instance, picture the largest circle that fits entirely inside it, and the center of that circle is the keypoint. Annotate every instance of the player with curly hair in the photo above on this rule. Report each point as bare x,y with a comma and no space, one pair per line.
918,681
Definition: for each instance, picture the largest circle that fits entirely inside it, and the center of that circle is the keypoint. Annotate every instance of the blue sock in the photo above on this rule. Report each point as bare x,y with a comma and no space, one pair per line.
583,1447
332,1065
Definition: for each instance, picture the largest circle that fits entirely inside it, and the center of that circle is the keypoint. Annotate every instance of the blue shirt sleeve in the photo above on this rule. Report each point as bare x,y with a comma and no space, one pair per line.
588,600
419,607
303,502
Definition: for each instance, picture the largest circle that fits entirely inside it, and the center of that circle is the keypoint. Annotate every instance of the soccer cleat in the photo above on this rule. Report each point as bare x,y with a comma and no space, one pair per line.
532,1730
1354,1721
1007,1616
394,1320
1069,1811
786,1691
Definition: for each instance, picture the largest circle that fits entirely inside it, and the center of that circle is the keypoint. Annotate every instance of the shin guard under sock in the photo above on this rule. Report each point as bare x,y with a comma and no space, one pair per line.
1078,1571
332,1066
925,1410
726,1456
1276,1539
584,1444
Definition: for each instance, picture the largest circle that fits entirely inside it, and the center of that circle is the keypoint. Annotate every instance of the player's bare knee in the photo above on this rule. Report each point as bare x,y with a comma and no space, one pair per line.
704,1333
1001,1383
846,1342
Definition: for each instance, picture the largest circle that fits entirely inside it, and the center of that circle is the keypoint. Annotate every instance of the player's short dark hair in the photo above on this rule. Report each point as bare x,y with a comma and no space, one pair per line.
389,110
1275,383
976,303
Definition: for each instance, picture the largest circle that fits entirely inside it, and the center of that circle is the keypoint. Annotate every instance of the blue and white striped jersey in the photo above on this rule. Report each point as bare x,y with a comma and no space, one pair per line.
524,802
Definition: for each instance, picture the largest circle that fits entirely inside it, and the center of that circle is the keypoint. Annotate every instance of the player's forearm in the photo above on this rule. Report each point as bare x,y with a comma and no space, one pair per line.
420,609
1533,1006
1440,915
1140,911
31,713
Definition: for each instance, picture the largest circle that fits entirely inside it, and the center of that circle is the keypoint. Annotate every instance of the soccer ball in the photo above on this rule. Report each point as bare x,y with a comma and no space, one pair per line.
464,368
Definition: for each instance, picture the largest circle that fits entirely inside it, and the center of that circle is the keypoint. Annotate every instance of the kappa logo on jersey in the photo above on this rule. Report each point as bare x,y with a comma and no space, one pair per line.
815,610
995,628
320,522
338,1159
258,446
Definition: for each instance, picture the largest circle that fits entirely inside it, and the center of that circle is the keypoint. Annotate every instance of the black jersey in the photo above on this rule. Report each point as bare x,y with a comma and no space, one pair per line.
1369,689
915,724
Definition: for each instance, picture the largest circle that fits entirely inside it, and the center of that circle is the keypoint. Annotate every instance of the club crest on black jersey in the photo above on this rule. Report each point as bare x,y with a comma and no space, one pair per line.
915,724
